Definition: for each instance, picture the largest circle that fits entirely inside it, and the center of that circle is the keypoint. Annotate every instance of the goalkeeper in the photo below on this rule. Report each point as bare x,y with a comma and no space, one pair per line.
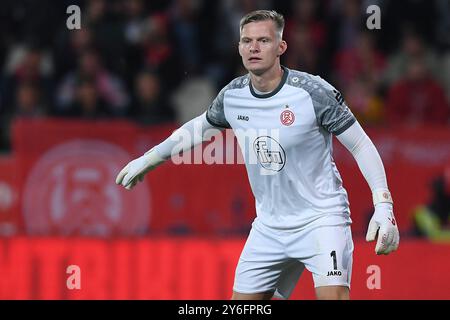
302,210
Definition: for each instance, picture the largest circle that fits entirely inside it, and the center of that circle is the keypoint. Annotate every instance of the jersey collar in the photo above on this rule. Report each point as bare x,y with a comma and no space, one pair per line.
274,92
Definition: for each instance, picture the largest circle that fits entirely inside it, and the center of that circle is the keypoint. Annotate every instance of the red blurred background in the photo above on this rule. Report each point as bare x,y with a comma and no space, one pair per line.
77,105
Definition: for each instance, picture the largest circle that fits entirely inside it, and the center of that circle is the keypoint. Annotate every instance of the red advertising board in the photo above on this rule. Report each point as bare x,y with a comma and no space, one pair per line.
66,171
196,268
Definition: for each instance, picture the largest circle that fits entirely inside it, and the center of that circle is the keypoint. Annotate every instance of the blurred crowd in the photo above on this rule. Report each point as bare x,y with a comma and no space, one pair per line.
165,60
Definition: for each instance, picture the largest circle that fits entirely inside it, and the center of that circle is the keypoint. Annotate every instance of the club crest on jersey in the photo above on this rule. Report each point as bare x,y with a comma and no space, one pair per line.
287,117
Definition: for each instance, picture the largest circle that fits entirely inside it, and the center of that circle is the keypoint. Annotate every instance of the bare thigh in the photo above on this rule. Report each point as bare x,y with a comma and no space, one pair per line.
252,296
333,293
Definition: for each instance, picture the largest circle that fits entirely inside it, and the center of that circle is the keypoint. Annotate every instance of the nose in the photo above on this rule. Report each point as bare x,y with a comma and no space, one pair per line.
254,47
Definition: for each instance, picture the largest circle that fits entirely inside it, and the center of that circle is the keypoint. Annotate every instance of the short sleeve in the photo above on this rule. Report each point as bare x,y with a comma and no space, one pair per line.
332,112
215,113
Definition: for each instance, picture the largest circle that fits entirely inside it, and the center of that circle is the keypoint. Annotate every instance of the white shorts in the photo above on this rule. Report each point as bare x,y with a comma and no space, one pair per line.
273,260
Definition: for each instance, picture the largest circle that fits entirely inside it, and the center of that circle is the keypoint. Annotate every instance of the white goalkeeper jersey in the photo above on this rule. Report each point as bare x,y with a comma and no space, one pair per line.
286,140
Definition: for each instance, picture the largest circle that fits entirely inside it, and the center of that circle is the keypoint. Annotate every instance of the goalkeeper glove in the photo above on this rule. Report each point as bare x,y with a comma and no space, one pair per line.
383,222
135,170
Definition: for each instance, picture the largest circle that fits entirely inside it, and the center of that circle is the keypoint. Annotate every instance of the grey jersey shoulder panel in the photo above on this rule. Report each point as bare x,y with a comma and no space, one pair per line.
215,113
331,111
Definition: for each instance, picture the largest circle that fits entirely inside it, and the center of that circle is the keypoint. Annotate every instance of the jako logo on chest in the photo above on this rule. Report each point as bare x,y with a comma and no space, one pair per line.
244,118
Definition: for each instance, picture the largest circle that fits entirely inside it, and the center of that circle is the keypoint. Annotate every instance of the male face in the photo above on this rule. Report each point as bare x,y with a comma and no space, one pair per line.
260,46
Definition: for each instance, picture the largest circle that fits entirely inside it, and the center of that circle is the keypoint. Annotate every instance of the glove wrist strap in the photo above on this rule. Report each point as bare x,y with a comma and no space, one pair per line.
380,196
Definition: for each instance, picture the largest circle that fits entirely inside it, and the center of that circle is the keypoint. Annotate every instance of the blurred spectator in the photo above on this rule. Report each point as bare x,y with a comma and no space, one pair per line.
433,220
108,86
183,18
80,40
305,14
191,45
192,98
302,54
306,37
95,11
104,19
157,46
158,50
150,107
360,60
412,47
134,21
27,64
69,46
364,100
358,72
87,103
134,32
417,98
446,74
28,102
344,23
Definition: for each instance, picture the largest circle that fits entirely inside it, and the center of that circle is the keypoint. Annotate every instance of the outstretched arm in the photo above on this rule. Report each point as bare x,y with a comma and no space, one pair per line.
371,166
184,138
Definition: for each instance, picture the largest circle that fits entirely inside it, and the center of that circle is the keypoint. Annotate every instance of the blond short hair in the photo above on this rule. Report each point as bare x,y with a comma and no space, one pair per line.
264,15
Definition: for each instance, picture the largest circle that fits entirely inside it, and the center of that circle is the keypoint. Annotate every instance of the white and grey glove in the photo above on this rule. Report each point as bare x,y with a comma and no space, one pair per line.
384,224
135,170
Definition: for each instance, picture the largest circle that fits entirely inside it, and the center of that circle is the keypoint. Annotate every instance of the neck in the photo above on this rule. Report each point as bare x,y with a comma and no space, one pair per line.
268,80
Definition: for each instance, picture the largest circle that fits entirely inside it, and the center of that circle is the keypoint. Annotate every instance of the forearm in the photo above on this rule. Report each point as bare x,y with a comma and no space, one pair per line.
186,137
189,135
368,159
382,225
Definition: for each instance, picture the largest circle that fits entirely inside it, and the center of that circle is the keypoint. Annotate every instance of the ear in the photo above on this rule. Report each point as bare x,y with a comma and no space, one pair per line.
282,47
